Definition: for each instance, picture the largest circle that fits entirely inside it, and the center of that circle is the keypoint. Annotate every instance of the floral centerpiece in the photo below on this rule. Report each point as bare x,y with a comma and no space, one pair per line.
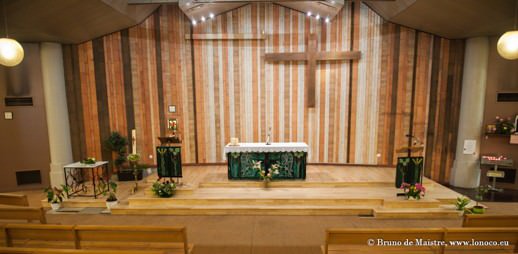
163,190
413,191
266,177
89,161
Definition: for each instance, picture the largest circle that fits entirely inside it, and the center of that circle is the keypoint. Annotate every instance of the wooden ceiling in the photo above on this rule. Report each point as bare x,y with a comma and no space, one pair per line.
450,18
69,21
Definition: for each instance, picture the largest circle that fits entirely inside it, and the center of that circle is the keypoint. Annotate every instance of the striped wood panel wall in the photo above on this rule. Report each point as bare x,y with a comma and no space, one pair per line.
406,81
126,80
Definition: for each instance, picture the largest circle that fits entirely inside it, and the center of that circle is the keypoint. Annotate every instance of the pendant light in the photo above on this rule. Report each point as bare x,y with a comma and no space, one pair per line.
11,52
507,45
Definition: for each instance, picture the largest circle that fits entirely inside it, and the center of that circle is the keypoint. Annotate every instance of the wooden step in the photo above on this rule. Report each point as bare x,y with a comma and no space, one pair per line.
245,210
416,213
401,203
154,201
291,184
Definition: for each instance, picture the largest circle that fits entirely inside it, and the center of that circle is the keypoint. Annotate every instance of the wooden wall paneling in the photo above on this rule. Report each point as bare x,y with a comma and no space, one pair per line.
115,84
144,77
88,91
353,82
422,88
431,142
74,101
103,113
128,85
176,75
162,108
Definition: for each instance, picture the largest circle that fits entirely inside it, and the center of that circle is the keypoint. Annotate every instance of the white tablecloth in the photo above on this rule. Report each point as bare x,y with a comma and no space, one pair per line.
263,148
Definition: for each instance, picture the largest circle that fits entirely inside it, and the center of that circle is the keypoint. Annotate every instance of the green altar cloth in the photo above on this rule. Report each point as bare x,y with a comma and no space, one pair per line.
291,158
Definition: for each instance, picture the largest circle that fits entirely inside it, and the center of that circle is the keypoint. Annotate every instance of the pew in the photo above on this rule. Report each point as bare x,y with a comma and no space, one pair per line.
104,237
457,240
365,240
495,221
172,239
15,250
23,213
13,199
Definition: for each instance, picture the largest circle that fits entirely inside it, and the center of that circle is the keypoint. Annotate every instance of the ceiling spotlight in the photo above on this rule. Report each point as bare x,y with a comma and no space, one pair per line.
211,15
317,16
327,20
309,14
193,22
202,19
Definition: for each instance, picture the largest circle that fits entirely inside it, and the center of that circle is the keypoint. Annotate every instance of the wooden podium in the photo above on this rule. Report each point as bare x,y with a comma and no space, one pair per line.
169,157
409,169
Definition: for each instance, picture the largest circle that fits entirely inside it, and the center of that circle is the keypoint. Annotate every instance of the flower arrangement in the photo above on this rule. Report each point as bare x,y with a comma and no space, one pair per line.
266,177
413,191
163,190
89,161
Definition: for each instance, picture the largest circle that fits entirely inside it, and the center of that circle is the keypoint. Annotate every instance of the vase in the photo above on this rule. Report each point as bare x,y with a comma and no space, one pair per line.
111,204
266,183
55,206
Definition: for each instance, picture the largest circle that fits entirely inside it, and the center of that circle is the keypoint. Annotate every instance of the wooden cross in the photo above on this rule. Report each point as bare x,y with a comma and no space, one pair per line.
311,56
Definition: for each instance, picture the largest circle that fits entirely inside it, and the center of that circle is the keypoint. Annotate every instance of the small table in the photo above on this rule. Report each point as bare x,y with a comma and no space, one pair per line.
74,173
290,157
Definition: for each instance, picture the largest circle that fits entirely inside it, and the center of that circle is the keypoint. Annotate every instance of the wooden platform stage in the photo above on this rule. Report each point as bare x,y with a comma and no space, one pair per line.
328,190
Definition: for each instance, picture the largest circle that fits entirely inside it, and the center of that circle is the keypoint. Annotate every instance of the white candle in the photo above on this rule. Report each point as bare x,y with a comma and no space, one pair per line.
133,141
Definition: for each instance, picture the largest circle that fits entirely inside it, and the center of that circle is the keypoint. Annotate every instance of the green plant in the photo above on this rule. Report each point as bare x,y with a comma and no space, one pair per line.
504,125
266,176
461,203
134,159
56,195
163,190
117,144
89,161
108,189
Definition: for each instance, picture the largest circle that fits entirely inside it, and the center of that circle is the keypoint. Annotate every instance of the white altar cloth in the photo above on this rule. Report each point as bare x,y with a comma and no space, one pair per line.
263,148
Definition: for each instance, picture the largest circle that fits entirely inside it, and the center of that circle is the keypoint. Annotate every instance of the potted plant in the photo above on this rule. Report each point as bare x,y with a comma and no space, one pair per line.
461,203
481,192
163,189
55,196
109,190
118,145
266,177
89,161
413,191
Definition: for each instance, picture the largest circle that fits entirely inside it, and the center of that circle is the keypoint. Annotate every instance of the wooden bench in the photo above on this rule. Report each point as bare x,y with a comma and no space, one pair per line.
29,214
365,240
495,221
160,238
13,199
15,250
359,240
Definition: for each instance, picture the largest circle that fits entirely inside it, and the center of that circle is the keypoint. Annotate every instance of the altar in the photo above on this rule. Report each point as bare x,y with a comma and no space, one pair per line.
290,158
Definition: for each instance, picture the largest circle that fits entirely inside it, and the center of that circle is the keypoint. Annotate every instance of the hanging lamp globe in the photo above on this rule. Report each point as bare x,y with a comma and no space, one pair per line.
11,52
507,45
